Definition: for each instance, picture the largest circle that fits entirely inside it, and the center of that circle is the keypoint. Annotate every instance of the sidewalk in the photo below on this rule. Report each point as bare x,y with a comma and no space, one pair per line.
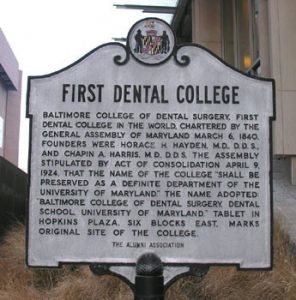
284,195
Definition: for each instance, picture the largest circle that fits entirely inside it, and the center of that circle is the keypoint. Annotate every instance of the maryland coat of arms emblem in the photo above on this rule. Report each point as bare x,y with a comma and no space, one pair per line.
151,41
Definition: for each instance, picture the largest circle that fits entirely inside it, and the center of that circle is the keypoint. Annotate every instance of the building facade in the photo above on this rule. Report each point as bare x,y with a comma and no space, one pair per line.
257,37
13,181
10,102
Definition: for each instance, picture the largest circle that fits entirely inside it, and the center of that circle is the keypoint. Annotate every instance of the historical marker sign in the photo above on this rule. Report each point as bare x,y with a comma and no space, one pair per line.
150,148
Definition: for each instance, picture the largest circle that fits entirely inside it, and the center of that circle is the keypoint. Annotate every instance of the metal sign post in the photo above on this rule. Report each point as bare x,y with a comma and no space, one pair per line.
149,283
150,150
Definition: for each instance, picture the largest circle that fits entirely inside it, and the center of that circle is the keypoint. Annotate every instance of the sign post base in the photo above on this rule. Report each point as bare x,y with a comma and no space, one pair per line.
149,282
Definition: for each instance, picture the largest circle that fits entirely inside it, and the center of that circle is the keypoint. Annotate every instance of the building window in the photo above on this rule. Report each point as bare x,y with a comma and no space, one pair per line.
182,22
240,33
228,36
1,132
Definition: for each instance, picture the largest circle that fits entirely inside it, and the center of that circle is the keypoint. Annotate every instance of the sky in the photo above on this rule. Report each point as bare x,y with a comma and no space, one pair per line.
48,35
